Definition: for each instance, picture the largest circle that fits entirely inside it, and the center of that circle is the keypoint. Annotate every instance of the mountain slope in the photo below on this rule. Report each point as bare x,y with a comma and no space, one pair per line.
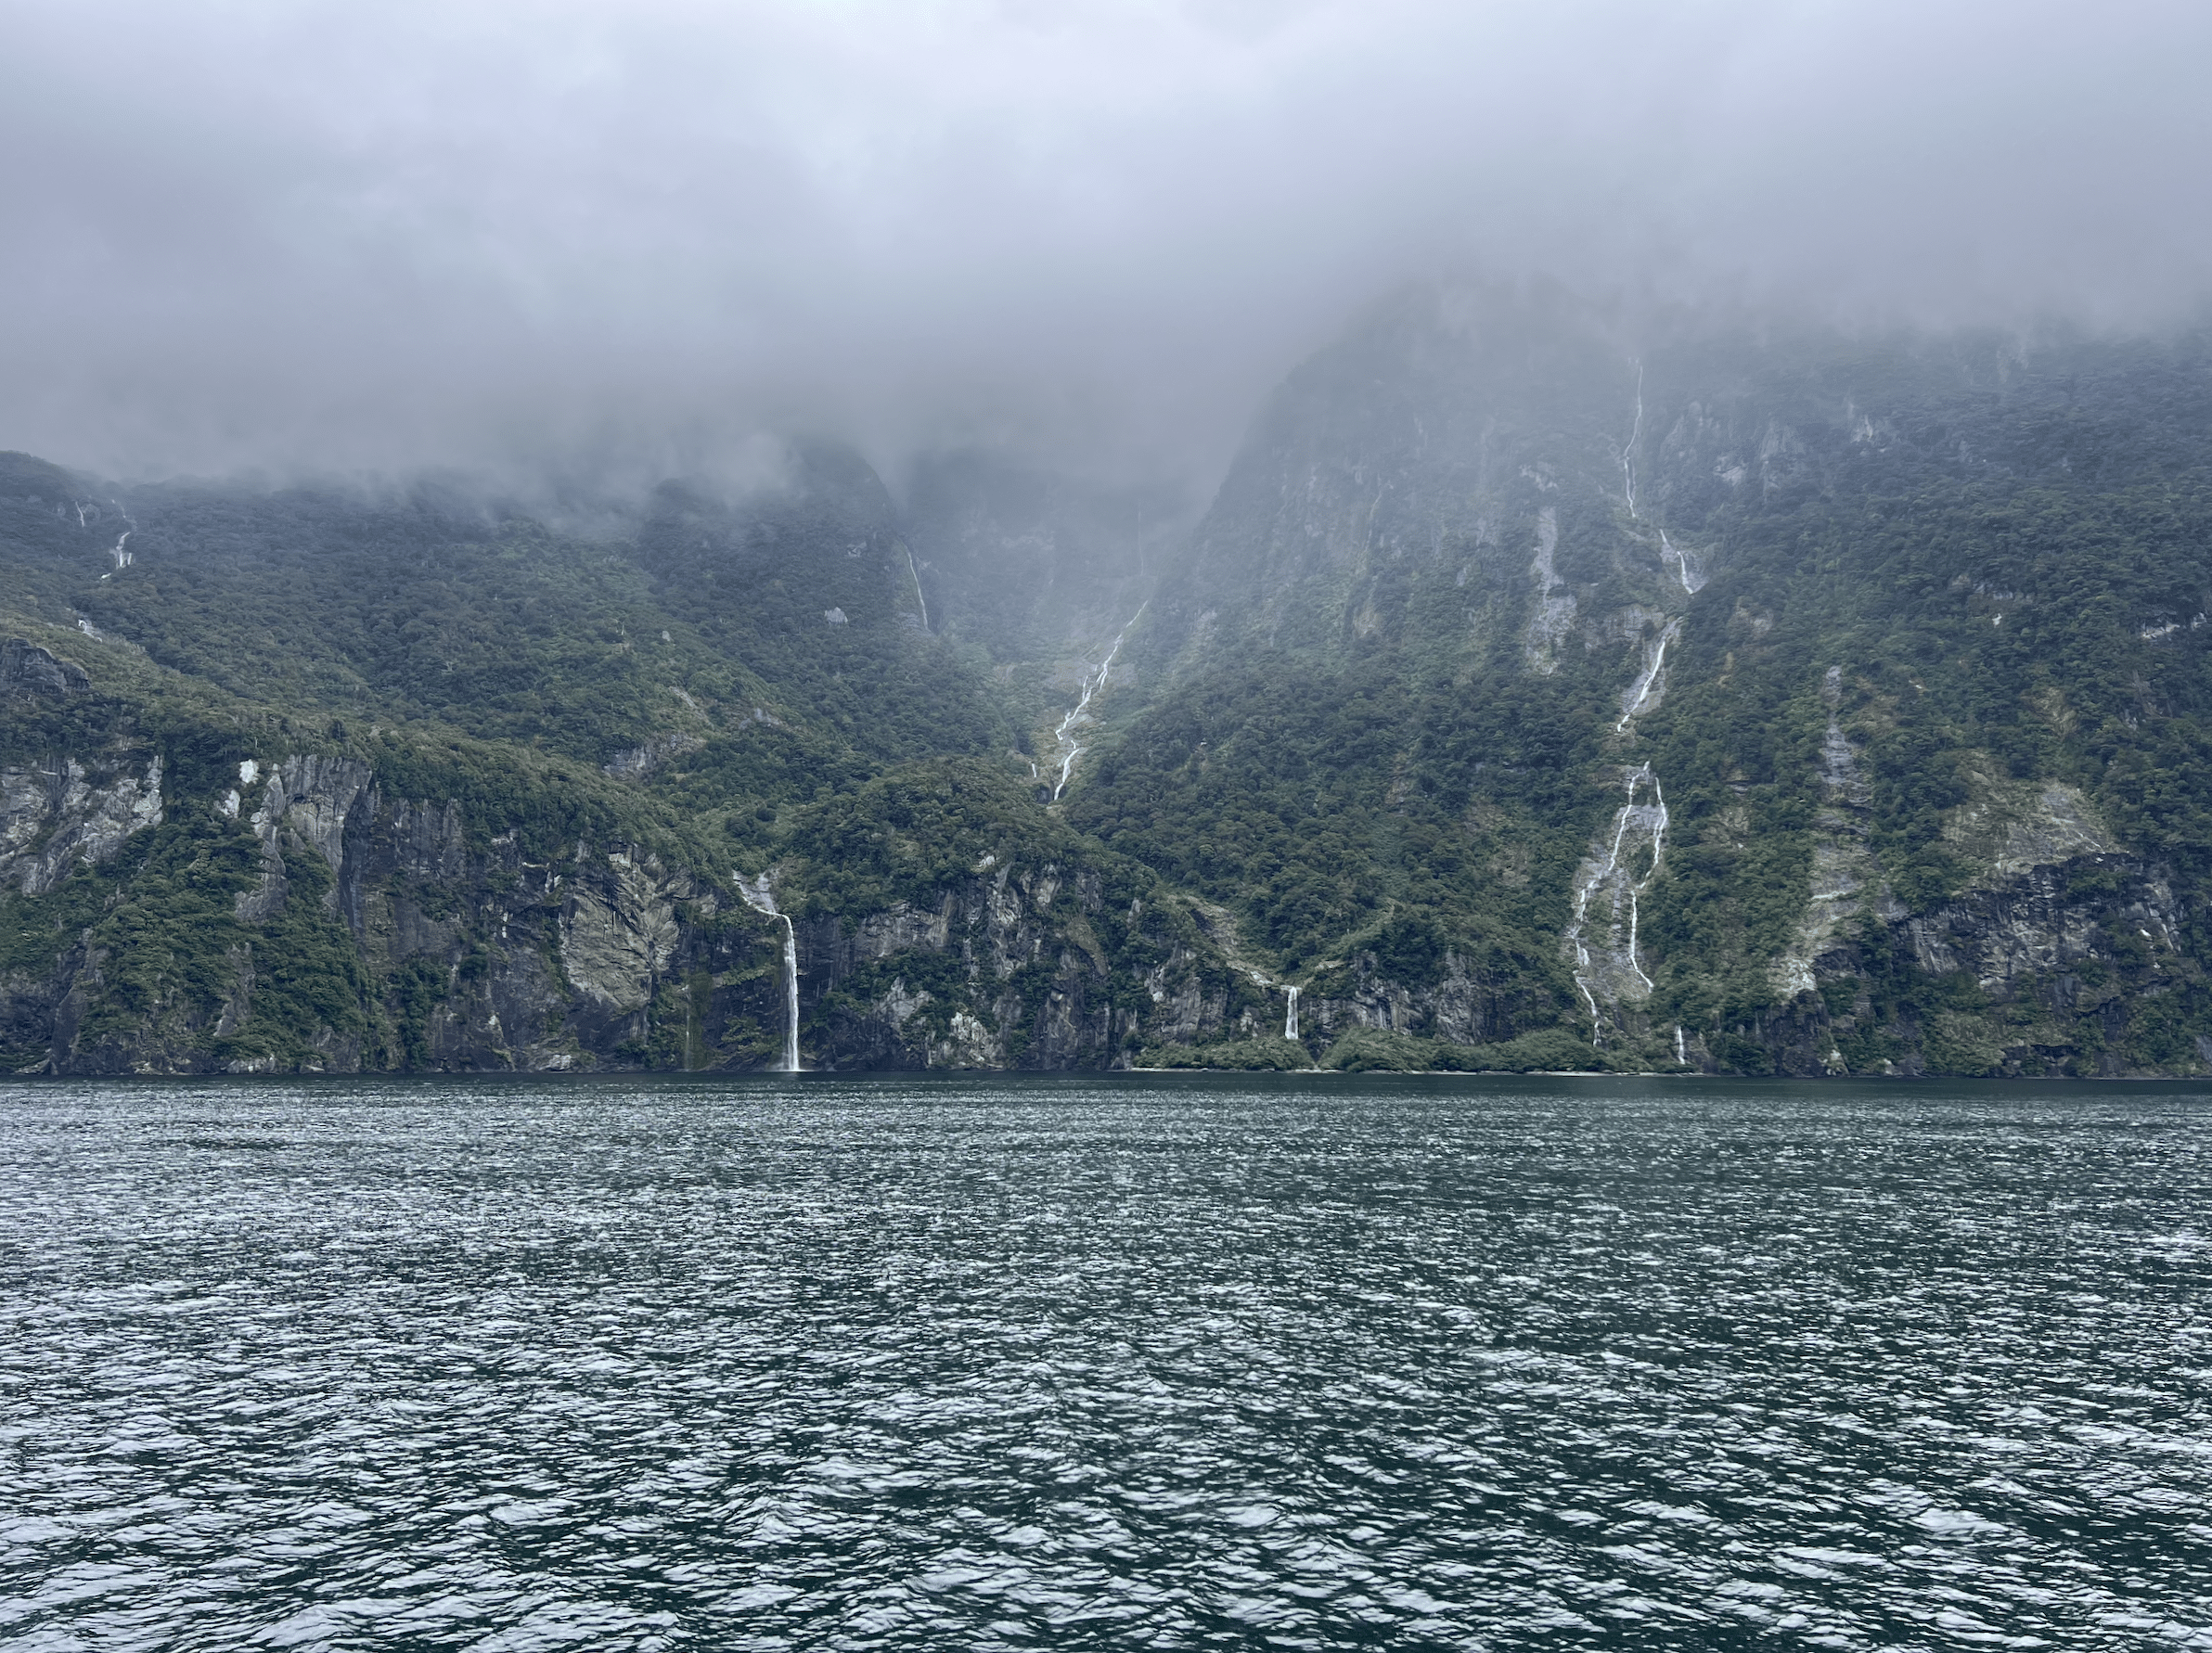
1703,687
315,780
1545,686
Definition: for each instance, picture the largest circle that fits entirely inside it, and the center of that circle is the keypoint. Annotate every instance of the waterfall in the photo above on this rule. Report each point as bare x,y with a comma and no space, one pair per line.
1672,555
121,556
917,597
791,978
1603,933
1061,737
1642,693
760,899
1615,964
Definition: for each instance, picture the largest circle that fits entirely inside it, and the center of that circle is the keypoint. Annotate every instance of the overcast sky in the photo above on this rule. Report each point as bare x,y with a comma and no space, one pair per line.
382,236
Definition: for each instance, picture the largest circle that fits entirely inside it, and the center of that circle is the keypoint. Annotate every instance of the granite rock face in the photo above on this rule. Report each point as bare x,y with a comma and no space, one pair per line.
1007,970
447,950
468,955
26,669
74,812
1464,1006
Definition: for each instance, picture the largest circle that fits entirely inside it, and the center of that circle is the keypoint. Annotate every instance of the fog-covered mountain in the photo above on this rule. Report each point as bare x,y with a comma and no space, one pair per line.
1542,688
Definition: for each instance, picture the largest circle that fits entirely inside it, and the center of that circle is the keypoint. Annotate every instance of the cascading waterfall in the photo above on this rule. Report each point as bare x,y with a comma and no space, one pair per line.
791,988
1669,557
1672,557
1638,697
1613,965
1609,969
760,899
119,551
1063,737
917,596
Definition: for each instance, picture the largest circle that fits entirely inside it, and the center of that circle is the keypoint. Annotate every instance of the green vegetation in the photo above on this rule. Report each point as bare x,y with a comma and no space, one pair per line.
1938,583
1246,1056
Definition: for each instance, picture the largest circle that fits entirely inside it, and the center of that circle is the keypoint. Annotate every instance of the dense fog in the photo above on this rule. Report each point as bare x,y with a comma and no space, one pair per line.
621,240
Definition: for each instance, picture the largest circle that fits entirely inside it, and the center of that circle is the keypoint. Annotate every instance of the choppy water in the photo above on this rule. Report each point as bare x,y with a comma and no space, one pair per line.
834,1363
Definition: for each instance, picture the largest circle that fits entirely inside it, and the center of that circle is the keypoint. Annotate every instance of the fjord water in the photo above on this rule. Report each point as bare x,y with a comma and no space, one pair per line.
1133,1363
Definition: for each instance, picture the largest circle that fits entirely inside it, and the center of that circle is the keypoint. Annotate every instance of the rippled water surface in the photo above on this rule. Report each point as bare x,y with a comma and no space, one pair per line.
1085,1363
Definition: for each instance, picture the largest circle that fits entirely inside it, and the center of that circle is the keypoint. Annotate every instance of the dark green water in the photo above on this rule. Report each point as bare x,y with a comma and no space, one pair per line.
1080,1364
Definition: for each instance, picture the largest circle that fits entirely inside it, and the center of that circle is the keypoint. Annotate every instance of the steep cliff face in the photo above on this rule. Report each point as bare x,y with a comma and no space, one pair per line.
2063,954
53,819
302,914
337,928
1464,1005
1460,433
946,920
1727,677
1544,686
1008,969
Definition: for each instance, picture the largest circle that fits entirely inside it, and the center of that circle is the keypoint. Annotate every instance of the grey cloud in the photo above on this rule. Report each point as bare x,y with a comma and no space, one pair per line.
388,237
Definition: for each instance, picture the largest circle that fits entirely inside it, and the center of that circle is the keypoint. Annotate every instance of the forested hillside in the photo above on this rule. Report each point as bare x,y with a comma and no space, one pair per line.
1542,688
1822,703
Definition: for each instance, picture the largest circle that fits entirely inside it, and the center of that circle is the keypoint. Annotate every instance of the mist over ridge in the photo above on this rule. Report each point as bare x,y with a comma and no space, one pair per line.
622,245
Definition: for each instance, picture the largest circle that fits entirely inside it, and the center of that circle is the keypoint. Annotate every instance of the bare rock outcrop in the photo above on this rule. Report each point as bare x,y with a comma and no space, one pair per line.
26,669
72,812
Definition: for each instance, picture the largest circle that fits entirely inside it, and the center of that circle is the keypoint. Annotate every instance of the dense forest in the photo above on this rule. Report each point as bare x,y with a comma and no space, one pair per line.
1538,691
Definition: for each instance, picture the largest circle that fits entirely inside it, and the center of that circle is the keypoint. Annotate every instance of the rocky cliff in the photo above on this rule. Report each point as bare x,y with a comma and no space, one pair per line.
1545,685
301,913
1812,705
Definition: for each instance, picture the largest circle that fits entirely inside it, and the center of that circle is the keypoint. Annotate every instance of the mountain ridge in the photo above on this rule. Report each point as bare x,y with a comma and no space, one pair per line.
1528,696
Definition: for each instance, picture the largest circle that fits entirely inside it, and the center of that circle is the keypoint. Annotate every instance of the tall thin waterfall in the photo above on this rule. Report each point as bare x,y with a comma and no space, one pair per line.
1602,934
760,899
1064,738
917,596
1290,1022
791,987
1606,961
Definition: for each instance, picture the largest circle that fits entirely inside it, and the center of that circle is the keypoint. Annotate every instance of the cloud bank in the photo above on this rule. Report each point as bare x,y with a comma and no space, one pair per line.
285,234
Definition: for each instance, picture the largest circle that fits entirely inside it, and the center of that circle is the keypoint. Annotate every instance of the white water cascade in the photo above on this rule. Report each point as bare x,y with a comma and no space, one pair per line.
1670,555
1290,1020
1608,889
1610,965
1063,737
760,899
120,551
917,596
1636,698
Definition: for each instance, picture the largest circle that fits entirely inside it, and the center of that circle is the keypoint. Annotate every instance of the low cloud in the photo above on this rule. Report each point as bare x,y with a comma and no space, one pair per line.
629,237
